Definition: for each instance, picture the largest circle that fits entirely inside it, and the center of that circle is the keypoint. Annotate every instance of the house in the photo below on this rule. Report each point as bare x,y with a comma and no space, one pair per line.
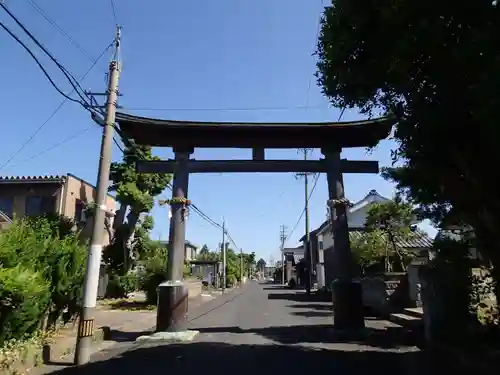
294,253
321,239
66,195
190,250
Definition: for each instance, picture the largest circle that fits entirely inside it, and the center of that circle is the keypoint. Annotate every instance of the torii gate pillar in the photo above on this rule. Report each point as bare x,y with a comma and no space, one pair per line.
173,294
346,286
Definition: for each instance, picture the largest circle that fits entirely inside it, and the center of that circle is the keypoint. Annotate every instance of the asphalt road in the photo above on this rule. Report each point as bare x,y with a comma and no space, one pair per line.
262,328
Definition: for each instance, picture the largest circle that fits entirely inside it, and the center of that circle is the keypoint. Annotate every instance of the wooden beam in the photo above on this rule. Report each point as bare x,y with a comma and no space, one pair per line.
258,153
256,166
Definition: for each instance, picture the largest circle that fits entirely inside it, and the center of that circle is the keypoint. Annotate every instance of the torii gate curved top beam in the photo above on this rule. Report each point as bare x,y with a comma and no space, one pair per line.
192,134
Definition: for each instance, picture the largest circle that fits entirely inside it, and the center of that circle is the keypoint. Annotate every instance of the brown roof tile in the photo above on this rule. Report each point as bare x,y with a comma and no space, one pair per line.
416,240
54,178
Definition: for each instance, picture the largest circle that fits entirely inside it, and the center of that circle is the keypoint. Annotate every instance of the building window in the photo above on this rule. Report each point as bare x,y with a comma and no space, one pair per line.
79,211
7,206
320,245
36,206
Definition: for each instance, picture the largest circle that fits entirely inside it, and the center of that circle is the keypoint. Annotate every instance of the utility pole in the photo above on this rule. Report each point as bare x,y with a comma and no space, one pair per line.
282,240
86,321
223,251
241,267
307,242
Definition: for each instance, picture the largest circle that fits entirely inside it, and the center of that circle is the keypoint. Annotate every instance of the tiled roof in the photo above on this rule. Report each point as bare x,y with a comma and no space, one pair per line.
4,217
46,178
415,240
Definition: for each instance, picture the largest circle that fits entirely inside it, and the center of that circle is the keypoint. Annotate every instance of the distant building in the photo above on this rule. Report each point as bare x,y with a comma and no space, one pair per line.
68,195
322,239
190,250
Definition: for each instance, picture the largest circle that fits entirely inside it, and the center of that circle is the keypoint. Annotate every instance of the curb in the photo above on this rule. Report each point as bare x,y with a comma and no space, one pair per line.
41,355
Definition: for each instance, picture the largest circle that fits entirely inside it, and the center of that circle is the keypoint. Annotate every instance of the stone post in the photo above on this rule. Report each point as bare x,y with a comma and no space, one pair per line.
173,294
346,286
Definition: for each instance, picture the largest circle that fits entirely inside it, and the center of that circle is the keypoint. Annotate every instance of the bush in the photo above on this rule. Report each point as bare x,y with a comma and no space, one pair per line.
65,269
24,298
121,286
155,271
231,280
46,252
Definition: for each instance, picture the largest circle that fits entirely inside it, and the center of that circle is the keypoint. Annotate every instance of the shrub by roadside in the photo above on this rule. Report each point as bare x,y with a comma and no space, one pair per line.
42,269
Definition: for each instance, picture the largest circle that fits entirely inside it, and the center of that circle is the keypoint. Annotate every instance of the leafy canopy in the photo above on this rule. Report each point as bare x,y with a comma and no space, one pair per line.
436,64
133,189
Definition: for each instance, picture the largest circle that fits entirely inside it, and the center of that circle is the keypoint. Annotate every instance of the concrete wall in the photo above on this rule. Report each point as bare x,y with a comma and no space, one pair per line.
76,190
19,192
65,195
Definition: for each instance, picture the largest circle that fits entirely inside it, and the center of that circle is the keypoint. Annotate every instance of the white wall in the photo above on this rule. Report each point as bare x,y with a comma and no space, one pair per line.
356,218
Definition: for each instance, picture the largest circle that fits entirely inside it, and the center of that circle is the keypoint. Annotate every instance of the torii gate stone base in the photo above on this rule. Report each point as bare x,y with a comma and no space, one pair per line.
331,138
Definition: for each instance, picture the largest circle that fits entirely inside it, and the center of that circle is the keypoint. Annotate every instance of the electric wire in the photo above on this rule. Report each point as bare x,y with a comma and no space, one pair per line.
113,9
209,220
55,145
40,65
316,178
51,116
60,29
71,79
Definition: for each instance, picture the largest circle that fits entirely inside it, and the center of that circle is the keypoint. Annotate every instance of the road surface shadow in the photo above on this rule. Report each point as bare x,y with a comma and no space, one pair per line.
319,310
127,336
299,296
385,338
197,358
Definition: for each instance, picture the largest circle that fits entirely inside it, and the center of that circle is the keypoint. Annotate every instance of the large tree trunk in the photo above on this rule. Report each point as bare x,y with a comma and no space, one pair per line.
119,217
127,234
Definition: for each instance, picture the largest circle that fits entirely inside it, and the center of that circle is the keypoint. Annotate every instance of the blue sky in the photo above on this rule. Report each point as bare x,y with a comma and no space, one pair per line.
182,60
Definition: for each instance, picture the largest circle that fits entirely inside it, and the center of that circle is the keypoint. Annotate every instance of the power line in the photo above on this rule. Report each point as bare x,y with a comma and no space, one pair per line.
209,220
113,9
34,134
59,28
40,66
55,145
312,190
71,79
304,210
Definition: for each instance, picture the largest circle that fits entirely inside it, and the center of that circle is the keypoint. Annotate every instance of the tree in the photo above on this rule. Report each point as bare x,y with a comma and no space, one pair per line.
204,250
394,220
206,254
261,264
136,193
368,249
436,66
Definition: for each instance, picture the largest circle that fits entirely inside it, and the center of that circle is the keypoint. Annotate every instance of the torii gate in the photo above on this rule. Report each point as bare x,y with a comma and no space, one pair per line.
185,136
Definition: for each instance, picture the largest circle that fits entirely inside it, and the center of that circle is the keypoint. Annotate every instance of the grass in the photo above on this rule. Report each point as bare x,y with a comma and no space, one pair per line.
128,304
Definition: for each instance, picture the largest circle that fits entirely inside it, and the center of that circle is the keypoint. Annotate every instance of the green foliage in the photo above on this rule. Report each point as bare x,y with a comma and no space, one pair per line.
137,190
392,220
435,64
447,292
369,248
65,269
120,286
136,194
155,271
24,298
206,254
261,264
36,250
385,223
